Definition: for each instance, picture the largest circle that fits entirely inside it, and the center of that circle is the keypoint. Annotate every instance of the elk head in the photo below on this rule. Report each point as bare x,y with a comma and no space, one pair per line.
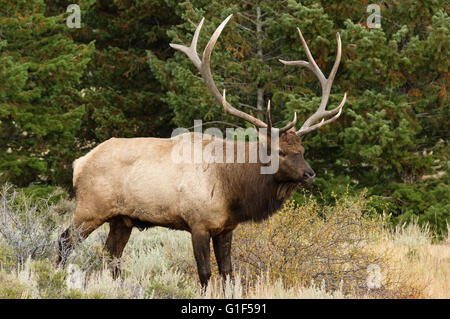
293,168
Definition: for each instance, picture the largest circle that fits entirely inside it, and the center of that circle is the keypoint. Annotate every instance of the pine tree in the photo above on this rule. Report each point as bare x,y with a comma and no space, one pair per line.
40,105
122,97
61,94
393,135
244,61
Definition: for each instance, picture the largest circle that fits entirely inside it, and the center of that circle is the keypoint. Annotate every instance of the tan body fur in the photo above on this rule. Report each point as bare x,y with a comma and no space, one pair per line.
131,182
136,182
138,179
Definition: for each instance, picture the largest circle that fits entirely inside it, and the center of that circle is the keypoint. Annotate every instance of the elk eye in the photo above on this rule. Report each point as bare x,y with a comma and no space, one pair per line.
281,154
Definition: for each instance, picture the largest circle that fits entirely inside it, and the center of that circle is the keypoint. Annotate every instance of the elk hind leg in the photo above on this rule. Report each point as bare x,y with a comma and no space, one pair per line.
119,233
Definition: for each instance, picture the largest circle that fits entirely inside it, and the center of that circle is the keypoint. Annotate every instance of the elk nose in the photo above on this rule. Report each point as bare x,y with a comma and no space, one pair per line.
308,176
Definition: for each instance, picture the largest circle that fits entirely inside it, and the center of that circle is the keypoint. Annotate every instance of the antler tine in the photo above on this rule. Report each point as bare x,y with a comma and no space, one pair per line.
336,62
224,101
314,127
191,51
289,125
205,70
326,84
268,117
312,65
283,129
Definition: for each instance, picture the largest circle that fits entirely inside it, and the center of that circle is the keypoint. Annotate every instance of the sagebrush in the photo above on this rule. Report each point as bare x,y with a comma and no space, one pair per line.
304,251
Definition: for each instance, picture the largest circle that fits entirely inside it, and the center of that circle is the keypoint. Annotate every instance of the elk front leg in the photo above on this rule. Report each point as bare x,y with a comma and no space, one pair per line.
222,250
74,234
200,244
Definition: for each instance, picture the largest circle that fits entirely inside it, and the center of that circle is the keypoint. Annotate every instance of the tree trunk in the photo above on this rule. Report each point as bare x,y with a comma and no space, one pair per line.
260,90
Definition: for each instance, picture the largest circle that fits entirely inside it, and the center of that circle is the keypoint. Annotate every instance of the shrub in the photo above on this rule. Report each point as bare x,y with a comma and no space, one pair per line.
51,282
11,288
160,290
311,244
90,256
7,257
74,294
26,227
54,194
65,207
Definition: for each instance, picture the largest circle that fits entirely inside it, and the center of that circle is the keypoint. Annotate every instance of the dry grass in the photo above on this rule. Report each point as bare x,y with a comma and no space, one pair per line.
296,254
417,261
150,274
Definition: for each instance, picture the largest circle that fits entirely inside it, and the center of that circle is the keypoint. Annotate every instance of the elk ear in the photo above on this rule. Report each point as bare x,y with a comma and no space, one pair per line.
291,130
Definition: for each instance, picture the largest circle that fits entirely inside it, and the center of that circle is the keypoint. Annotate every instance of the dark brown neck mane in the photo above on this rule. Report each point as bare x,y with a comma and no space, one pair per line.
250,194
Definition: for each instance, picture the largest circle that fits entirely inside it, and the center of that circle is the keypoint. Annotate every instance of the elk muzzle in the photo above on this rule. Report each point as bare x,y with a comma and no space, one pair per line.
308,176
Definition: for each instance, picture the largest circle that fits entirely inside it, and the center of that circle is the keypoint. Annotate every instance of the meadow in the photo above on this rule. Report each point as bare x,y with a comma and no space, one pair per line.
304,251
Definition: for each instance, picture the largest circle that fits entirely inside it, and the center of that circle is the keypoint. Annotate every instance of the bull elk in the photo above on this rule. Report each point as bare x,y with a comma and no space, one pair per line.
132,182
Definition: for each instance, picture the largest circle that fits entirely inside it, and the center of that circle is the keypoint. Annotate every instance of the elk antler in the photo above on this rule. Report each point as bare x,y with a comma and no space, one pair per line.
205,70
326,84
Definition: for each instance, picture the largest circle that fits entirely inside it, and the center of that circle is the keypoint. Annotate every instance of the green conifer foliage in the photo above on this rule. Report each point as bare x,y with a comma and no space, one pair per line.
40,105
122,96
393,135
63,91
